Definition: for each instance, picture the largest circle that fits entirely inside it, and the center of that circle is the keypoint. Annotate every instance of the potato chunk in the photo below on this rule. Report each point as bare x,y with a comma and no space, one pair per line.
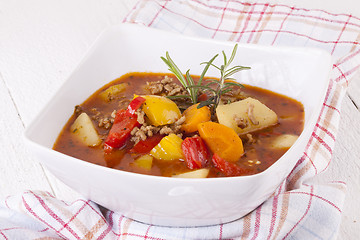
84,129
246,116
284,141
201,173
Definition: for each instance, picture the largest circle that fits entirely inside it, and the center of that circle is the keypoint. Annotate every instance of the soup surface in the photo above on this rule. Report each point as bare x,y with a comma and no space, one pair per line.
261,146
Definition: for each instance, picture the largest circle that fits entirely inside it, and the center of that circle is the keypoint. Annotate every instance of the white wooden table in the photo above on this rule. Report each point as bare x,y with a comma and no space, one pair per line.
41,41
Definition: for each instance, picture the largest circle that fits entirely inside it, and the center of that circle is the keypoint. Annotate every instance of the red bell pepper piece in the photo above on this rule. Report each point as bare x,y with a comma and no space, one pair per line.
195,152
229,169
125,121
145,146
134,105
120,130
203,97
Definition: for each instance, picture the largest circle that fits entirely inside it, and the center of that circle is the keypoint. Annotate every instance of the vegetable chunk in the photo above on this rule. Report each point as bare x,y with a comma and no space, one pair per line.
284,141
246,116
201,173
221,140
144,161
160,110
120,130
228,168
169,148
84,129
125,121
145,146
194,116
195,152
109,93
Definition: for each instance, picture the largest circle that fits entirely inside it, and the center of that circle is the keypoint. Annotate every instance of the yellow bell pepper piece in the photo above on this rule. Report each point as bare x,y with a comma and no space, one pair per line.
160,110
144,161
112,91
169,148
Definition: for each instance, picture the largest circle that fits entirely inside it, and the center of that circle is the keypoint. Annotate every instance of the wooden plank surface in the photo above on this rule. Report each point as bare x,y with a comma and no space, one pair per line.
42,41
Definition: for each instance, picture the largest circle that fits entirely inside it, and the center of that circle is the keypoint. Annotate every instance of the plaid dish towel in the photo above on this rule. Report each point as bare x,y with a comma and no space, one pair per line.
298,209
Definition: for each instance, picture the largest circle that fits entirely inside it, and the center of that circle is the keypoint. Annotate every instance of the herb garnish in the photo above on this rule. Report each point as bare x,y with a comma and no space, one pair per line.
222,85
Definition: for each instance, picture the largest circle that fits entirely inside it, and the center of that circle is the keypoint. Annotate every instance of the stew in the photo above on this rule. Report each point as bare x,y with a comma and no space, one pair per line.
141,123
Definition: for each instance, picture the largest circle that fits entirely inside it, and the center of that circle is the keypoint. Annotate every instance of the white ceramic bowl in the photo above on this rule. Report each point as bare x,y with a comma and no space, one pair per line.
300,73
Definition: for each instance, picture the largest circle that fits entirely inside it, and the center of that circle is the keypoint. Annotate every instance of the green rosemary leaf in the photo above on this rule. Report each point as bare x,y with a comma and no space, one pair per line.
209,84
174,69
205,103
234,70
228,87
178,96
231,59
223,91
235,67
225,60
234,84
189,79
192,91
202,87
212,81
208,64
211,65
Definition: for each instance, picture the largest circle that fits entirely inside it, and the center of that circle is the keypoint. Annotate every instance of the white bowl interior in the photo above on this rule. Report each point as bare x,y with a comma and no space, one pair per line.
300,73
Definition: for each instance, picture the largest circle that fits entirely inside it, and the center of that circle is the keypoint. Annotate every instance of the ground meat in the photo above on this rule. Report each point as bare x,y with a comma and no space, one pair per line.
140,116
241,122
232,96
146,130
180,121
155,88
123,104
143,132
103,121
166,130
140,134
250,138
95,115
95,112
113,114
173,128
78,110
251,116
166,87
135,129
150,130
166,80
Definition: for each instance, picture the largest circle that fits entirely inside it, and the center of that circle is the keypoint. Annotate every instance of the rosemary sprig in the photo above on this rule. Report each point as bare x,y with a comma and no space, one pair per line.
187,82
222,85
225,82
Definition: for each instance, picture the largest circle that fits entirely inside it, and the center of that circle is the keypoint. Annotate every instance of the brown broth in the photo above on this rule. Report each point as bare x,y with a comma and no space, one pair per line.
257,157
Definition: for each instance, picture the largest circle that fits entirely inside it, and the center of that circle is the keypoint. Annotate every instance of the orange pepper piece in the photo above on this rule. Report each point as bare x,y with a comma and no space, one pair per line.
194,116
221,140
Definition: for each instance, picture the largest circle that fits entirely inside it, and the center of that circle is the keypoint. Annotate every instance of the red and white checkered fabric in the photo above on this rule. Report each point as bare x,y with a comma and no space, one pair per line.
299,209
